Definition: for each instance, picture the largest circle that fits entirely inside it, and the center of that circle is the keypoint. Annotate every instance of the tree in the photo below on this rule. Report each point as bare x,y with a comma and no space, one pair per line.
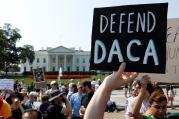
27,54
11,54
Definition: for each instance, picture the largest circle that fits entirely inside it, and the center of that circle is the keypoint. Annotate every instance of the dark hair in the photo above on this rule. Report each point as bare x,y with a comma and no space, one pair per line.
87,83
30,111
75,88
150,88
45,97
156,96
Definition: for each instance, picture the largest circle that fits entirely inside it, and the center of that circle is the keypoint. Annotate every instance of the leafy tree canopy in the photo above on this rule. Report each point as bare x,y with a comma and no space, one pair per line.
10,54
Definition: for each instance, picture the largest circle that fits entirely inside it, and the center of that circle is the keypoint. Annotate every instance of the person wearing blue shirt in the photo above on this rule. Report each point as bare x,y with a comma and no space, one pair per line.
75,101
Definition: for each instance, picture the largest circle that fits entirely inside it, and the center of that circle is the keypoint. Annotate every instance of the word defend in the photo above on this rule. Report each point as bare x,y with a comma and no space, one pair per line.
134,34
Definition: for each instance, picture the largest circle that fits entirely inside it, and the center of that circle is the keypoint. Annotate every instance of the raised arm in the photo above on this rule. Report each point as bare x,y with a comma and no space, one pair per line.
138,101
97,105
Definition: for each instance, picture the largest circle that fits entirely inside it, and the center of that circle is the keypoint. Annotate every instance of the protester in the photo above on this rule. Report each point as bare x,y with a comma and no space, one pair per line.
157,104
31,114
17,108
24,94
88,94
30,103
171,96
111,106
72,89
54,86
135,87
56,110
6,93
23,84
75,101
97,105
5,110
44,106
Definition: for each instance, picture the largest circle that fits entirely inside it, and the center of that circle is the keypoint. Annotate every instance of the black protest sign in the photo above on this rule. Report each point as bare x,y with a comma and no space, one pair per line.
135,34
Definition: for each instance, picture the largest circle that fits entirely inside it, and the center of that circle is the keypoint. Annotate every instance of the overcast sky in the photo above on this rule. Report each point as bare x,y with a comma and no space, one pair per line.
51,23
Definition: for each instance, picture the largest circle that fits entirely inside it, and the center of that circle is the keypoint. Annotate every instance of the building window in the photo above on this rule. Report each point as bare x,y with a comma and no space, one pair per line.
31,68
77,61
44,60
77,68
68,68
24,69
53,60
83,60
53,69
37,60
84,69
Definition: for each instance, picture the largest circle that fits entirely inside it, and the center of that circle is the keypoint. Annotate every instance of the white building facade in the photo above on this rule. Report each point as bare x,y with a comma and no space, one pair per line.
52,59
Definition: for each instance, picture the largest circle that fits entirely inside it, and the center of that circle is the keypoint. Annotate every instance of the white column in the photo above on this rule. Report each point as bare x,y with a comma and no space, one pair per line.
56,63
65,67
73,63
48,62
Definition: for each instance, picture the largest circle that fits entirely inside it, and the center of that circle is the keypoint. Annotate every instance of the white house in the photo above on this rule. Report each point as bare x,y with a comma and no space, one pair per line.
54,58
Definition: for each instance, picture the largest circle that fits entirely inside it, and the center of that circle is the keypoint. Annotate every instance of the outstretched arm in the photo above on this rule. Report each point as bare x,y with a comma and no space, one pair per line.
139,99
97,105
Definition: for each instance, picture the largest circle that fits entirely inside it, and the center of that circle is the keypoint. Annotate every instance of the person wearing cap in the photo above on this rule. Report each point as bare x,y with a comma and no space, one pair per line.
56,110
54,86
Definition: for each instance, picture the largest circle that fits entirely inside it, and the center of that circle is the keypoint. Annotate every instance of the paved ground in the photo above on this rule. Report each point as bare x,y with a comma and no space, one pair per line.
118,97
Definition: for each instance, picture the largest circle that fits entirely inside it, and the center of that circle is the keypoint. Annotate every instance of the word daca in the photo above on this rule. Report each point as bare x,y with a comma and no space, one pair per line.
145,21
116,50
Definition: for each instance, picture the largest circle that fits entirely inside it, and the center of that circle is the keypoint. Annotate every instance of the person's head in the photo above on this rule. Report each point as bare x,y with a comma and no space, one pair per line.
54,85
23,81
56,97
23,92
33,96
86,86
74,88
45,98
70,87
158,104
136,85
80,88
31,114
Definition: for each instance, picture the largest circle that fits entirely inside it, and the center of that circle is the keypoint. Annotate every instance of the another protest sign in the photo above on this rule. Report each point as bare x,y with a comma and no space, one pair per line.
39,78
135,34
7,84
172,54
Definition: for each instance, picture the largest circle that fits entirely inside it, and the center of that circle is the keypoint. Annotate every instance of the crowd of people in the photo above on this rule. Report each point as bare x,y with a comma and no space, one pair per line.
68,101
88,99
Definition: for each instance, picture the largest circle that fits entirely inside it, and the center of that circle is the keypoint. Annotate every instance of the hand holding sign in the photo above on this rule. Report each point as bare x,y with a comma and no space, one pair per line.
135,34
119,78
39,78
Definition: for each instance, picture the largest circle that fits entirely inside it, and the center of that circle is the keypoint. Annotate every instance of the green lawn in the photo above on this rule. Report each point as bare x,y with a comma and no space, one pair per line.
28,79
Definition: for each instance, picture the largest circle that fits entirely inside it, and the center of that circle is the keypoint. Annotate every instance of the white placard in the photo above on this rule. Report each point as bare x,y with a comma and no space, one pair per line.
7,84
172,56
